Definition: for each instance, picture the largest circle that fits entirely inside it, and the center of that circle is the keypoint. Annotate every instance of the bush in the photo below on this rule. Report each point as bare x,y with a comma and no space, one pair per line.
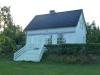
73,49
72,53
93,48
71,59
7,45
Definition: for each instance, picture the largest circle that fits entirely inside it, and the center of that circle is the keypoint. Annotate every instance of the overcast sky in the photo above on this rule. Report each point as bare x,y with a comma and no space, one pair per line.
24,10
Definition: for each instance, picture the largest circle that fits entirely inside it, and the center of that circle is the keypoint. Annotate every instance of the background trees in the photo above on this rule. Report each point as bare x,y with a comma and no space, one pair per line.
93,33
11,35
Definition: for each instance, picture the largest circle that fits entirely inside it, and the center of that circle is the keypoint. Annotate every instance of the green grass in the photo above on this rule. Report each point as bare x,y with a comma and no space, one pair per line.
8,67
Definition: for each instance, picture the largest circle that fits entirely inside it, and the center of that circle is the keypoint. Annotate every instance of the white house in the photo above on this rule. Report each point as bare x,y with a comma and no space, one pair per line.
70,25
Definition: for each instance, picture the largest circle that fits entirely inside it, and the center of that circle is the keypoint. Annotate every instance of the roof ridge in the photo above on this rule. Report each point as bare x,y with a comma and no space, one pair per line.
61,12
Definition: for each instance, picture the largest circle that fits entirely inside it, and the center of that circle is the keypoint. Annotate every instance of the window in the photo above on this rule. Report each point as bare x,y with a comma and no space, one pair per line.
49,40
60,39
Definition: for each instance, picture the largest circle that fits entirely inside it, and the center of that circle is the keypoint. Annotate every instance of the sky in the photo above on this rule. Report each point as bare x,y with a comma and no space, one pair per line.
23,11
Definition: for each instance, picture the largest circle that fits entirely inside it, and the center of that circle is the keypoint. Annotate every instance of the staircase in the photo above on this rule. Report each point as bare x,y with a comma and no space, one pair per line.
29,53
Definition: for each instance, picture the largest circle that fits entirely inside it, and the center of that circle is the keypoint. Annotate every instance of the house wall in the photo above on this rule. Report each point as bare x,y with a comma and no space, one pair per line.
81,30
35,37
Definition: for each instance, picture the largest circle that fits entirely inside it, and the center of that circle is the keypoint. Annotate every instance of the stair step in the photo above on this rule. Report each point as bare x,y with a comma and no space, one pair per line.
30,56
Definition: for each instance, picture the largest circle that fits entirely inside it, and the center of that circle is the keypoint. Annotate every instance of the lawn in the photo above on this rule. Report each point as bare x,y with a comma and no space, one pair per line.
8,67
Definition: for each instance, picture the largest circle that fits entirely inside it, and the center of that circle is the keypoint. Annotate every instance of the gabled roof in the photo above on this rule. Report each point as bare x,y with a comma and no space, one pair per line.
55,20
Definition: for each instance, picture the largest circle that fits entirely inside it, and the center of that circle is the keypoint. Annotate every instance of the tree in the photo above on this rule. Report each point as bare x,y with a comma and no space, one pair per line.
93,33
11,35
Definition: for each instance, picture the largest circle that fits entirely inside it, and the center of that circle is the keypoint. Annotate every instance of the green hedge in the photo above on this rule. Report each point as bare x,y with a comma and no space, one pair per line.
73,49
93,48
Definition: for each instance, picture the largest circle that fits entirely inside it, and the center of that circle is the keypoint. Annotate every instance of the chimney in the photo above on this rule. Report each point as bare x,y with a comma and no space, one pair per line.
52,12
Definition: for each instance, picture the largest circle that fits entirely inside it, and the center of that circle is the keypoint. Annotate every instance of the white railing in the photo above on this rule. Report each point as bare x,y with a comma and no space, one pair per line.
19,52
22,50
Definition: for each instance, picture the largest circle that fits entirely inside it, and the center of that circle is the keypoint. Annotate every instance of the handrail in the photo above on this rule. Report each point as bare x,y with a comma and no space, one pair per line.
19,52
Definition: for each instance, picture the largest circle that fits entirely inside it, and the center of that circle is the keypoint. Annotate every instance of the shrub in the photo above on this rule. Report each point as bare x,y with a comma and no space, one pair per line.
73,49
71,59
93,48
72,53
7,45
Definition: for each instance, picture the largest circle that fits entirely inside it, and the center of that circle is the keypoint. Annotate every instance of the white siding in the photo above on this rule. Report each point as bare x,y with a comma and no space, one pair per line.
81,30
70,38
51,31
34,37
36,40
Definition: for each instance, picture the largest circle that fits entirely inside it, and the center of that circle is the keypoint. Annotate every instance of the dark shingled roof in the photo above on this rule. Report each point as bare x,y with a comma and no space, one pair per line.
55,20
